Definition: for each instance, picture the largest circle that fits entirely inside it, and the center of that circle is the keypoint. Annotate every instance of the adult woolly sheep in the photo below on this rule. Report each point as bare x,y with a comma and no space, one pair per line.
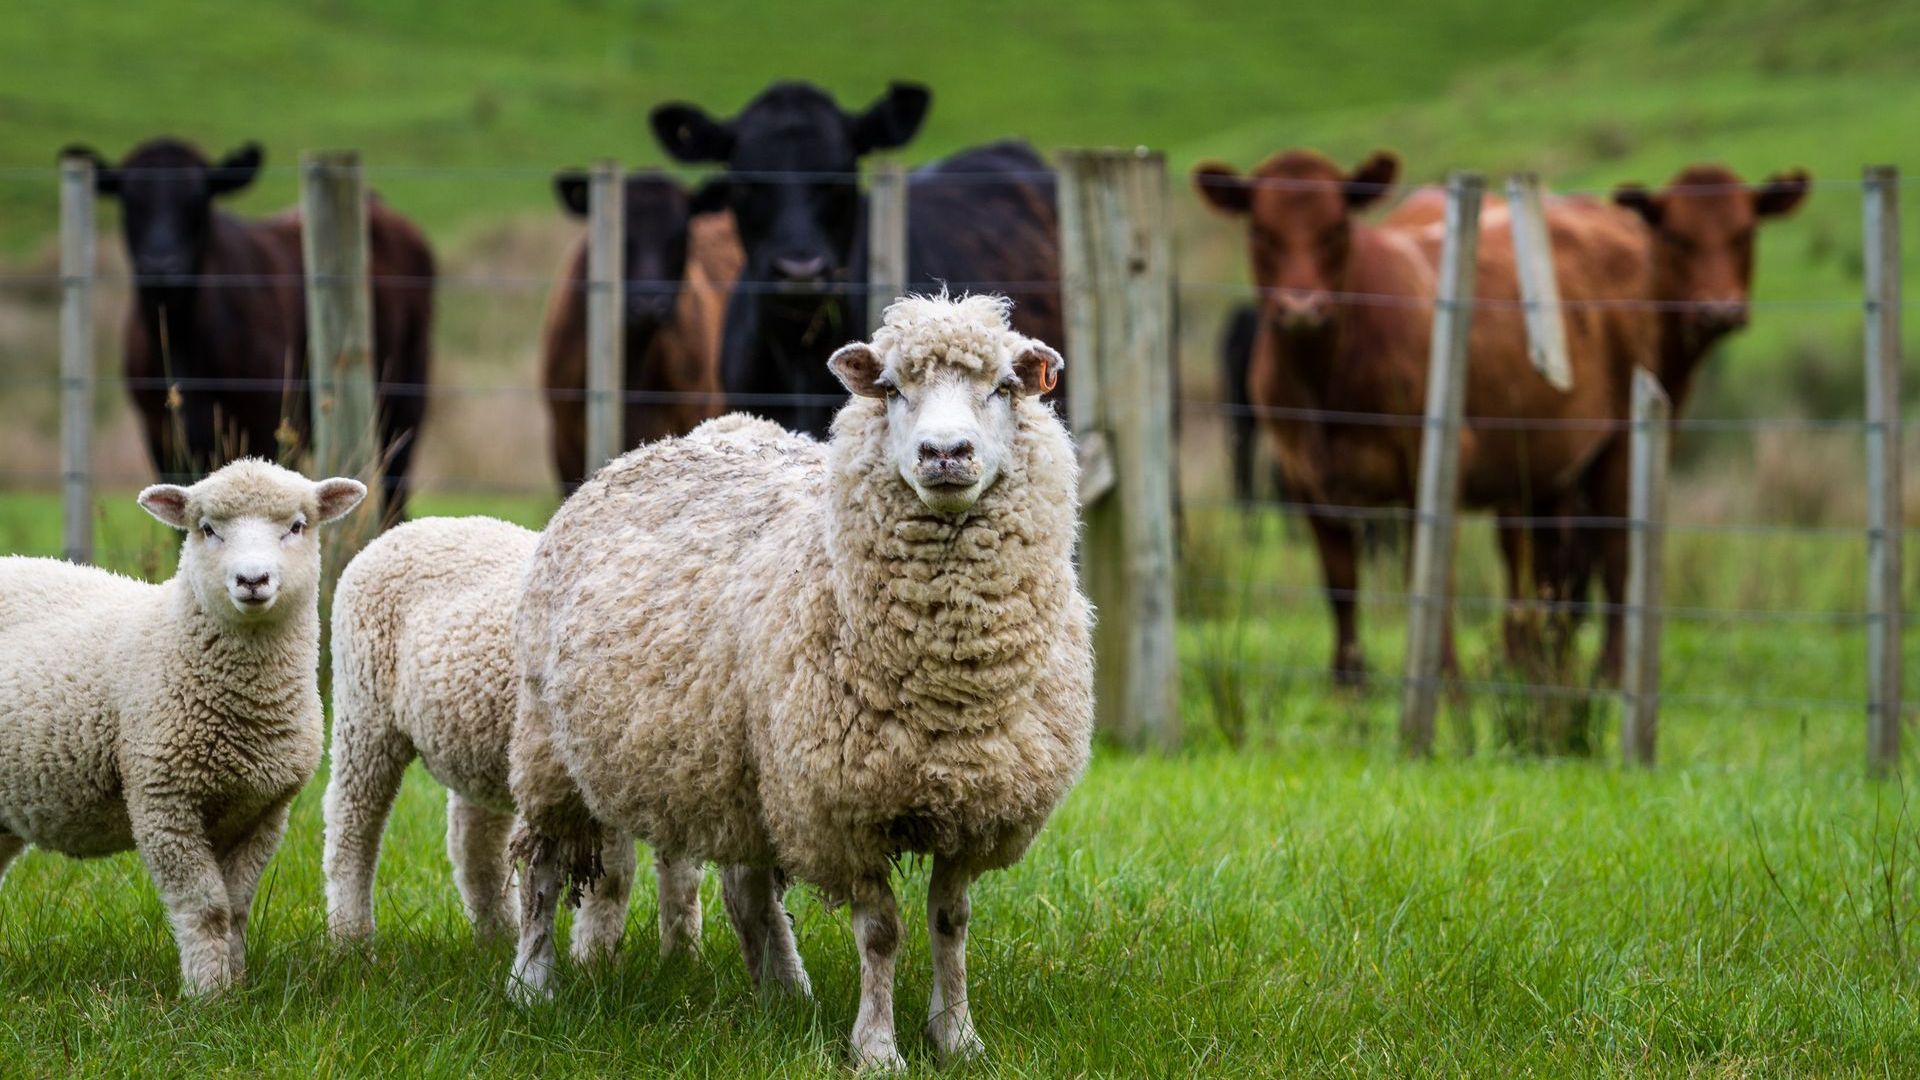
828,656
181,718
422,624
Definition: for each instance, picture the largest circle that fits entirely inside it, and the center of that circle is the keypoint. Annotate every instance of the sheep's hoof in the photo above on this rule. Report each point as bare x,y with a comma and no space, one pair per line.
527,993
954,1043
878,1057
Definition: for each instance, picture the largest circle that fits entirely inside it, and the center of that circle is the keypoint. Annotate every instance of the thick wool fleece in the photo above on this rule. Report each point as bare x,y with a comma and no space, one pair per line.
130,716
750,647
422,623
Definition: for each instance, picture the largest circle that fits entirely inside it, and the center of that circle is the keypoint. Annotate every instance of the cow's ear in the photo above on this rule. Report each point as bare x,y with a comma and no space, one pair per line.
1782,193
1224,189
106,178
236,170
711,197
894,120
1038,368
858,368
1638,199
689,134
1370,180
570,187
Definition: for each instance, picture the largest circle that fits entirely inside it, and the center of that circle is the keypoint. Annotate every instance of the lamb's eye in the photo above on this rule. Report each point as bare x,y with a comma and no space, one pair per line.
1006,389
892,392
299,526
207,533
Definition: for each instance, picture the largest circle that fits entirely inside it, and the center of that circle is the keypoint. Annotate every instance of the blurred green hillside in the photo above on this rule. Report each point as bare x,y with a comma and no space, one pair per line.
1587,94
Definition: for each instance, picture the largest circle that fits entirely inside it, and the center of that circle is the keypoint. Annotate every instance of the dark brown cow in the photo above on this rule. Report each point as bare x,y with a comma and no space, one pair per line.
1346,321
681,258
216,338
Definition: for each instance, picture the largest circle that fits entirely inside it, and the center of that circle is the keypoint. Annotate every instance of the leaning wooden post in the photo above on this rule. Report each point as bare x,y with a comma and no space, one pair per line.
1117,264
1646,541
346,439
886,239
606,369
1440,465
1881,252
1539,284
76,359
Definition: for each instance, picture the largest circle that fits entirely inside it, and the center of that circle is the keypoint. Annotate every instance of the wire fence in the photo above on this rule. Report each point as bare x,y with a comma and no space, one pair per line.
1198,291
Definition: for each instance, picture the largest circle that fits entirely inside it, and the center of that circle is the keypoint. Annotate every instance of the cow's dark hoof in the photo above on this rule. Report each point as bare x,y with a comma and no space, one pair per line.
1349,669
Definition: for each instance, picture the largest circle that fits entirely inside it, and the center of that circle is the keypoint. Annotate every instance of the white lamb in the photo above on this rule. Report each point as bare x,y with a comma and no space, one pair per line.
422,667
749,647
181,718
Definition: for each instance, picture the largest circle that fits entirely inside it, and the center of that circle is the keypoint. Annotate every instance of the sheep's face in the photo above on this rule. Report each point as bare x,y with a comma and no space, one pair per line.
250,553
952,404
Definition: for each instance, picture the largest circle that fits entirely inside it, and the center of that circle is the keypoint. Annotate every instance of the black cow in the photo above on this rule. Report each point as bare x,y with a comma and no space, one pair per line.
216,338
982,220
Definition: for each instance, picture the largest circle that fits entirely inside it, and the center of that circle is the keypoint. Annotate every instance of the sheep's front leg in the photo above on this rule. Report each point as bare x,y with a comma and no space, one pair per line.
876,930
10,847
753,900
602,917
240,869
198,905
949,1024
679,904
477,844
540,885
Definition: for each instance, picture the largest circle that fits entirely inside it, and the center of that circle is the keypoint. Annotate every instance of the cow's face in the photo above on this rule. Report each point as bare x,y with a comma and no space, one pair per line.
792,160
653,263
1298,207
166,189
1703,226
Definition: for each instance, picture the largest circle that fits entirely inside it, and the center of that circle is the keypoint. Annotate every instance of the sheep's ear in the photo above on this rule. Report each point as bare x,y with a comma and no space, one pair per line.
1038,368
338,497
858,369
167,503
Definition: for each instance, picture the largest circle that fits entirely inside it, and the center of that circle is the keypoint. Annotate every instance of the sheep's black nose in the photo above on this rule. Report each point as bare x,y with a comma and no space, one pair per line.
933,451
256,581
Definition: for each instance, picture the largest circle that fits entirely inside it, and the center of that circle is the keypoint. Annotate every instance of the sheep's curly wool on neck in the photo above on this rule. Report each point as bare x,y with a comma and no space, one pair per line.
946,619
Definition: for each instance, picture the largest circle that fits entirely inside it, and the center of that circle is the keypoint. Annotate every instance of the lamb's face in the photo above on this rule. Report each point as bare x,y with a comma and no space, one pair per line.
951,406
251,554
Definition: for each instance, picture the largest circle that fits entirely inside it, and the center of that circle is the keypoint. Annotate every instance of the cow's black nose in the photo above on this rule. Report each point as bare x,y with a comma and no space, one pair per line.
808,269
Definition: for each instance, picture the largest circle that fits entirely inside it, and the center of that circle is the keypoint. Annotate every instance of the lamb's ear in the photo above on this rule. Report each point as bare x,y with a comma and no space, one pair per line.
1038,368
858,368
338,497
167,503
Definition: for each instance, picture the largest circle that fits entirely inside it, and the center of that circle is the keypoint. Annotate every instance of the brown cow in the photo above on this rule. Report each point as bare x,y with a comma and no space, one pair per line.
1346,322
216,337
681,259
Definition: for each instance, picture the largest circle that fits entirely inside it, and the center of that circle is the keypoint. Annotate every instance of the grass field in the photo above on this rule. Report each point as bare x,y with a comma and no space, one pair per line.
1304,904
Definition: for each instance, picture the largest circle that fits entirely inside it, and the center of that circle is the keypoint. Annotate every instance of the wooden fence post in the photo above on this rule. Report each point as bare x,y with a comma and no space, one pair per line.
1881,251
886,239
1646,541
76,359
1539,285
1440,464
1117,266
606,369
346,436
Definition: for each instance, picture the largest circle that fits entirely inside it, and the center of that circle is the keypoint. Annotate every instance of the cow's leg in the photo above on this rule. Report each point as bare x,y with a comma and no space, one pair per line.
1519,627
949,1023
602,917
679,904
1610,500
876,930
1339,567
477,846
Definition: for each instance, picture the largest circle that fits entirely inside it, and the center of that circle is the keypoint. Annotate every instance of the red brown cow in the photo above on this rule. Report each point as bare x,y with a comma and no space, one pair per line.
681,259
216,339
1346,320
